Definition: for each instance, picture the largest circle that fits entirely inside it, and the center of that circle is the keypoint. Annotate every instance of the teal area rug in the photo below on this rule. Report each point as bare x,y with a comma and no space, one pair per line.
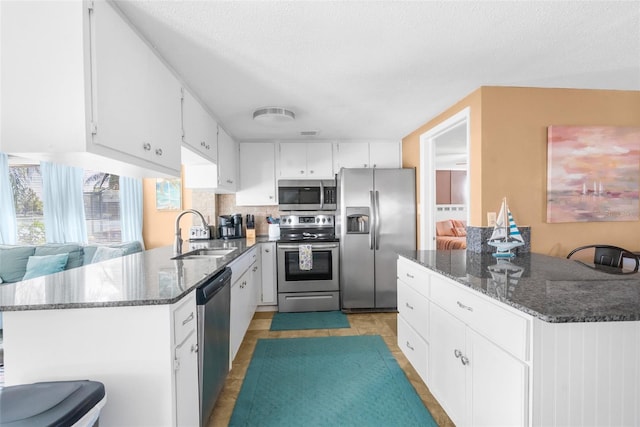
309,320
327,381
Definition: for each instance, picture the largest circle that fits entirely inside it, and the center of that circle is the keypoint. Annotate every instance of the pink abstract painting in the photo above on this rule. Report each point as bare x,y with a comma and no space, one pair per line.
593,173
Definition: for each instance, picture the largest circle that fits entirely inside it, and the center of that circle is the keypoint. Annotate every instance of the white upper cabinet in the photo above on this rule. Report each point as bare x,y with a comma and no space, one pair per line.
367,155
257,174
227,162
221,176
305,160
81,87
199,130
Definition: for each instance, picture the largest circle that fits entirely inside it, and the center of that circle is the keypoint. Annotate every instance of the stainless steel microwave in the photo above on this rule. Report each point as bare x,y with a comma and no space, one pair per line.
307,195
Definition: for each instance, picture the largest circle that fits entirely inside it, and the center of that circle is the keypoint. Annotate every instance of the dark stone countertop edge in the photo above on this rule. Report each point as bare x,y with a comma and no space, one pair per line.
544,317
243,248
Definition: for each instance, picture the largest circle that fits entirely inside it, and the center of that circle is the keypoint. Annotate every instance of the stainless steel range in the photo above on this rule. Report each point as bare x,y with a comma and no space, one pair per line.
308,263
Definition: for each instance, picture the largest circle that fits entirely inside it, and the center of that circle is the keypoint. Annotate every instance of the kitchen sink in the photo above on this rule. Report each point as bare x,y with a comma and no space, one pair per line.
206,253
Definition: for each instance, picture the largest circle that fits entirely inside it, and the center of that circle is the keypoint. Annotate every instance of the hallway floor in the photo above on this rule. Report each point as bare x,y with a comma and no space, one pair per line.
383,324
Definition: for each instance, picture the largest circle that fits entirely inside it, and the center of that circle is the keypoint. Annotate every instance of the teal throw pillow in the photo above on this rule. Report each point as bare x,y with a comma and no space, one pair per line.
104,253
74,250
42,265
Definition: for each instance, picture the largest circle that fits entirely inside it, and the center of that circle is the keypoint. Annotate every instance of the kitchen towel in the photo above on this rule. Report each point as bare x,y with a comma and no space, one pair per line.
305,257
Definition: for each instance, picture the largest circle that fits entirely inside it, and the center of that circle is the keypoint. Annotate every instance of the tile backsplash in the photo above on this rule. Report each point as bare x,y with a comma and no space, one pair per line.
226,205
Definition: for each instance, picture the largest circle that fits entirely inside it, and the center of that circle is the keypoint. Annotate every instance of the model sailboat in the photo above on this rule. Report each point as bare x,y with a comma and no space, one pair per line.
506,235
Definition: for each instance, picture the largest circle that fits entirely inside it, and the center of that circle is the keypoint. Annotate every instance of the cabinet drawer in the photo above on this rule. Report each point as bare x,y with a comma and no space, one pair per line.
414,275
414,347
414,308
241,264
493,320
184,318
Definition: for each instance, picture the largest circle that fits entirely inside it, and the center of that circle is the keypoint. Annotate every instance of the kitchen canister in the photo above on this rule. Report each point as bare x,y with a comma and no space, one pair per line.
274,231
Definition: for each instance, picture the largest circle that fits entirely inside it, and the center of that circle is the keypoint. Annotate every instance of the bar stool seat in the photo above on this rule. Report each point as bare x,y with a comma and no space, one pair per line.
55,403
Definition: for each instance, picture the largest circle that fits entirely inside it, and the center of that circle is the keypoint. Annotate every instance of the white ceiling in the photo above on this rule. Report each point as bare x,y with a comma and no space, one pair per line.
381,69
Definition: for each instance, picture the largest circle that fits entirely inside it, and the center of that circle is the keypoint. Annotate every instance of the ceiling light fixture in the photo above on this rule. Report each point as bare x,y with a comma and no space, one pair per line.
273,115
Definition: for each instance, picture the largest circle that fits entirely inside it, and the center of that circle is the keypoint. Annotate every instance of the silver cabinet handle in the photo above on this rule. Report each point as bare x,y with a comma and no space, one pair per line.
267,250
188,319
407,304
146,146
255,269
464,360
159,151
465,307
410,348
194,348
457,353
410,276
302,172
310,171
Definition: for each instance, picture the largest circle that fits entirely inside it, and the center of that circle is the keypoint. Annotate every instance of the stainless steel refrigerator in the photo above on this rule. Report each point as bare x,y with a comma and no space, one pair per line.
377,219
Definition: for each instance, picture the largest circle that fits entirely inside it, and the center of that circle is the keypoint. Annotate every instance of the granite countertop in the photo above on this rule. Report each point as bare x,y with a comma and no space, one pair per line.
553,289
145,278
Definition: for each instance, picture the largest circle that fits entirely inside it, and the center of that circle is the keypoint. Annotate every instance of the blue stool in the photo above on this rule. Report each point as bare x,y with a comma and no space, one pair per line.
56,403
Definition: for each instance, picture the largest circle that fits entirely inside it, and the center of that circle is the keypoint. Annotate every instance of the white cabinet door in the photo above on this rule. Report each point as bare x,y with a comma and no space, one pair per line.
199,130
137,99
227,162
385,155
120,67
186,382
164,121
351,155
269,280
257,174
319,160
447,373
239,308
499,387
293,159
305,160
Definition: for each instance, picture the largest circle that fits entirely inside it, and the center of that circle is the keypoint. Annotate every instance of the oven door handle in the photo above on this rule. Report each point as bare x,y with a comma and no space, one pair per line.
313,246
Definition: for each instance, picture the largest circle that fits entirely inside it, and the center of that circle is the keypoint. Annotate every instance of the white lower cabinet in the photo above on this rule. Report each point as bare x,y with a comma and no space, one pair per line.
186,381
269,294
244,297
472,352
185,362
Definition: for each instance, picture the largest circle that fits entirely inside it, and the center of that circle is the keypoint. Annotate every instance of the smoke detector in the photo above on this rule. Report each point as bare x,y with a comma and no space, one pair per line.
273,115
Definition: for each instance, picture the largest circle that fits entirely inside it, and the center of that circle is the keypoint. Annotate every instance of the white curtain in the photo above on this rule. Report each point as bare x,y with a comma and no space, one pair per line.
64,219
131,209
8,223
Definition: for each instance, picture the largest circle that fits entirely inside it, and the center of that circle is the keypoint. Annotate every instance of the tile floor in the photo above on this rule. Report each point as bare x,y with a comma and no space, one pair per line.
383,324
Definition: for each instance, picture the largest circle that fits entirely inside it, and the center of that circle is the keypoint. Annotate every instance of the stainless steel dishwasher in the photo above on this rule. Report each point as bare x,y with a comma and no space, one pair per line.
213,300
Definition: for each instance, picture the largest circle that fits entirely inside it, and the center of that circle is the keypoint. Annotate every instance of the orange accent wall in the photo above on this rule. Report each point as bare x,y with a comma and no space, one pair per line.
509,157
158,226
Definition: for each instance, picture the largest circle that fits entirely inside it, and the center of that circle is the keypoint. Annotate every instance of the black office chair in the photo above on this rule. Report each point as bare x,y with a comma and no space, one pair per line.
609,256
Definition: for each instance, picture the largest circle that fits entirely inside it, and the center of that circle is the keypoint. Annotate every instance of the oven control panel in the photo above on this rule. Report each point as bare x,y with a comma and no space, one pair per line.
304,221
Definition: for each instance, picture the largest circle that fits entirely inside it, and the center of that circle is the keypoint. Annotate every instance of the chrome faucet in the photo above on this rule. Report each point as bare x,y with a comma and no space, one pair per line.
177,247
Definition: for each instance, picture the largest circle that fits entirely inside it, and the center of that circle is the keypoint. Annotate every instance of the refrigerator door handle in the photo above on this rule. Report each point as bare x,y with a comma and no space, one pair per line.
377,238
372,227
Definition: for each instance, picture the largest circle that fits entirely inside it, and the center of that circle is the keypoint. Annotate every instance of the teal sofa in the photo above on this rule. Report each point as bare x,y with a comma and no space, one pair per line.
14,258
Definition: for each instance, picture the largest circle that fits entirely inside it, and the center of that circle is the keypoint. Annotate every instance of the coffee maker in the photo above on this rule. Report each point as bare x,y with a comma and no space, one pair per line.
230,226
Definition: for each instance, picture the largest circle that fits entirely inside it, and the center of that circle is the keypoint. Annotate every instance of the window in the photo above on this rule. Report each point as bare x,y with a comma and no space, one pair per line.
102,207
26,183
101,204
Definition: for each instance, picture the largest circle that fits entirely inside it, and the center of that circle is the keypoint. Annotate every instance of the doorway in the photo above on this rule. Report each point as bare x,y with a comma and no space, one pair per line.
444,148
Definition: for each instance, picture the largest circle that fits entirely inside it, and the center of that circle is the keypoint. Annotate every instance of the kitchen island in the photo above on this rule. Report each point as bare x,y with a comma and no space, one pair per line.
534,340
126,322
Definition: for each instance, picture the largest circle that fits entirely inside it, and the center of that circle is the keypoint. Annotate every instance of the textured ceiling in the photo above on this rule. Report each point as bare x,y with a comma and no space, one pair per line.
381,69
